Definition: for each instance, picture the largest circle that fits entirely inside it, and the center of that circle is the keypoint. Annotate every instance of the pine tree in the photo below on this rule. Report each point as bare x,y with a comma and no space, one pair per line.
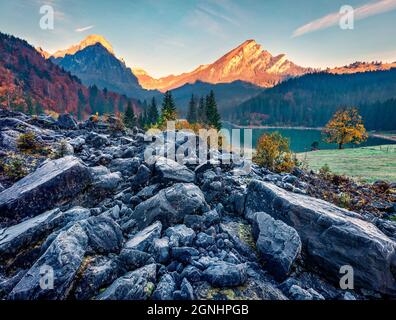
129,116
213,116
168,111
152,113
29,105
192,116
202,111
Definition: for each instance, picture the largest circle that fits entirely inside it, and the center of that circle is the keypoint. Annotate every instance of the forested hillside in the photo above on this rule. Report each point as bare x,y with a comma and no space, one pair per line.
311,100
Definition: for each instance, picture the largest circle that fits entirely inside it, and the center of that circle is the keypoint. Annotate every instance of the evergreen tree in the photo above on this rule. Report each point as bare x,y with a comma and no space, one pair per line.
168,111
39,108
202,111
29,105
152,113
81,105
192,115
213,116
129,116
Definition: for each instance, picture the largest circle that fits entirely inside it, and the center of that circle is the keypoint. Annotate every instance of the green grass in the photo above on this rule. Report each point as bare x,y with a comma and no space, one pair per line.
366,164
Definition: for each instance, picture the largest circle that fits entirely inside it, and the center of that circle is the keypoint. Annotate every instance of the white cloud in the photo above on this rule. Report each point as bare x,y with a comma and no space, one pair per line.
84,28
362,12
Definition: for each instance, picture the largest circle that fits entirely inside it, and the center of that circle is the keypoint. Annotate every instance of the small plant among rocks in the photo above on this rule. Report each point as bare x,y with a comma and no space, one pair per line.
29,143
14,167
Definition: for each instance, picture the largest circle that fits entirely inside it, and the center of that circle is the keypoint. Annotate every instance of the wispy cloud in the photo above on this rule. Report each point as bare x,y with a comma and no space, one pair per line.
362,12
82,29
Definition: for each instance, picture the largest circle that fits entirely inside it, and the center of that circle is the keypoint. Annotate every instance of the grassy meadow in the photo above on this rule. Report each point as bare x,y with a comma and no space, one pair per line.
365,164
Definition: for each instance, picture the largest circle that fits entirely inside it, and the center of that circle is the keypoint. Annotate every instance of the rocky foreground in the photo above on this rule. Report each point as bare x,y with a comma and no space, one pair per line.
103,223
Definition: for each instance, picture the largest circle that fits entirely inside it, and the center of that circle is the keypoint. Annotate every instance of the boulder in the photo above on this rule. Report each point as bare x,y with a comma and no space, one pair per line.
277,243
165,288
169,170
135,285
61,260
51,185
224,274
161,250
143,240
132,259
331,237
101,272
104,234
180,235
125,166
66,121
184,254
26,233
97,140
170,205
141,178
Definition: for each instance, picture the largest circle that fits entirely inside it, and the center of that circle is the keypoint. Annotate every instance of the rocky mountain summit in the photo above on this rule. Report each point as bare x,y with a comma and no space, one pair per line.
107,222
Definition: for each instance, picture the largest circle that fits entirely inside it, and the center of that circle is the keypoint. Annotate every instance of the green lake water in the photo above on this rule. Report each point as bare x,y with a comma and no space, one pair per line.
301,139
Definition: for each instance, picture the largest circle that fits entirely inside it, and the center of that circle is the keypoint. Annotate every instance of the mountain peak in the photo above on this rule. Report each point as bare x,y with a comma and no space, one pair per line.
87,42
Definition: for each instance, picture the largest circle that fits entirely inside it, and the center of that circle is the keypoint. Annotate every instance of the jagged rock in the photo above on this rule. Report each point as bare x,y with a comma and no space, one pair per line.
204,240
107,182
97,140
8,140
6,285
191,273
143,240
184,254
223,274
104,234
142,177
278,244
63,258
77,143
165,288
331,237
125,166
180,235
26,233
101,272
169,170
66,121
50,185
135,285
161,250
298,293
170,205
186,290
132,259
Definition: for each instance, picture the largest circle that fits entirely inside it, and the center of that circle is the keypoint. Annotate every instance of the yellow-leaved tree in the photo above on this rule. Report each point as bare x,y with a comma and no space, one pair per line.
346,126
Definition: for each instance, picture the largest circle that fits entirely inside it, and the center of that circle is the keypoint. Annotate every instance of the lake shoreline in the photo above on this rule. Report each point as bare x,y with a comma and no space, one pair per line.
371,134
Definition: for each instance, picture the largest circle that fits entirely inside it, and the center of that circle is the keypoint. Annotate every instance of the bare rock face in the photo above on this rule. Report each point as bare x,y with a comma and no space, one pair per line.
51,185
331,237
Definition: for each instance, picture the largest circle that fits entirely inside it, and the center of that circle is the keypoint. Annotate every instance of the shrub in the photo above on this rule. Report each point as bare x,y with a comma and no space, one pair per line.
324,170
28,142
272,151
15,167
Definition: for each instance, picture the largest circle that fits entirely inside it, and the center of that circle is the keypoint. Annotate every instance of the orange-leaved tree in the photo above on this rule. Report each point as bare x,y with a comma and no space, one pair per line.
346,126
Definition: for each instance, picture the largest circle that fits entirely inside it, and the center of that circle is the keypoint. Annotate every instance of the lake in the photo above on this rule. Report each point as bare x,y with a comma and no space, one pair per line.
301,139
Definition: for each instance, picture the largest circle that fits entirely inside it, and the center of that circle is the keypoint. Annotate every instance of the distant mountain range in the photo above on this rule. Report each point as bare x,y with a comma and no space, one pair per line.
247,62
29,82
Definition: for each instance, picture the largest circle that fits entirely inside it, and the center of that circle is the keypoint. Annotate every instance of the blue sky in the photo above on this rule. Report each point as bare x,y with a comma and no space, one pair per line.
174,36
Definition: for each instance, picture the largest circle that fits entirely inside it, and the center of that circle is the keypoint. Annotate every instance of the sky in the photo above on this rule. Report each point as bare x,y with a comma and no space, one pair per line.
173,36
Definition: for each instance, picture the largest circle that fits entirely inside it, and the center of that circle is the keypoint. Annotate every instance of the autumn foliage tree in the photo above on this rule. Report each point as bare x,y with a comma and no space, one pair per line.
272,152
346,126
